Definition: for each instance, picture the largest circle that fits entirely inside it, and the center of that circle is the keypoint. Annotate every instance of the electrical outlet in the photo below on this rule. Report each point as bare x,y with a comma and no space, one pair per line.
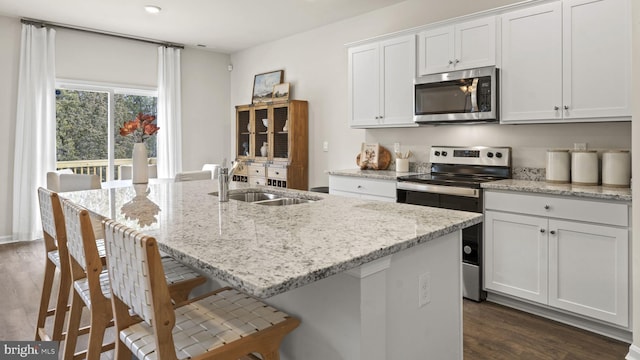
579,146
424,289
396,147
325,146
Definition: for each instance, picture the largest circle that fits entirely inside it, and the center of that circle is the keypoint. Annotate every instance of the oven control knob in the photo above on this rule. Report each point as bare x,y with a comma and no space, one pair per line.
444,153
499,155
467,249
489,154
437,153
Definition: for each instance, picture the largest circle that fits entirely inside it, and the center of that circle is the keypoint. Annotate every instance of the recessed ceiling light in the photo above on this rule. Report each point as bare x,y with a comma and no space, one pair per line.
152,9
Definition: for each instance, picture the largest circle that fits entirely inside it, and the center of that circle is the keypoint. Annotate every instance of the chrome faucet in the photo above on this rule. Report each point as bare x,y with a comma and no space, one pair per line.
224,177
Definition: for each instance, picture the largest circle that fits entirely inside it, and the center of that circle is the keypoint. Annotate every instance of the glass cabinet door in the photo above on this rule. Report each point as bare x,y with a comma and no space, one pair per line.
281,132
261,132
243,133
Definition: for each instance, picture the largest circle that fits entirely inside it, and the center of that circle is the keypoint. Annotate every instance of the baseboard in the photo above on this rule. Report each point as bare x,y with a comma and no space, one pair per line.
565,318
7,239
634,353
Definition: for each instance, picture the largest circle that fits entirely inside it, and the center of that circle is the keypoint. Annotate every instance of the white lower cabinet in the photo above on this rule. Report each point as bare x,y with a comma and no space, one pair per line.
589,270
537,250
363,188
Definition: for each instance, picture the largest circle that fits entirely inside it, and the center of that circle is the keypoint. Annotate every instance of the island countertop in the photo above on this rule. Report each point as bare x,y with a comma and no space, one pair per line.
268,250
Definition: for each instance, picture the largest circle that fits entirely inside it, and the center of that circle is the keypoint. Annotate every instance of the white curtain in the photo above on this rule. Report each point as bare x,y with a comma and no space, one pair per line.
35,142
169,113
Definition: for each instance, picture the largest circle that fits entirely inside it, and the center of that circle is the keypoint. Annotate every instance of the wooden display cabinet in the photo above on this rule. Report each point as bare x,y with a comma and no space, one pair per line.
286,136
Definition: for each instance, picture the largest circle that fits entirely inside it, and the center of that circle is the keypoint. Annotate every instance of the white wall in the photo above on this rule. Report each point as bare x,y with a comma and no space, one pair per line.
315,62
635,157
91,57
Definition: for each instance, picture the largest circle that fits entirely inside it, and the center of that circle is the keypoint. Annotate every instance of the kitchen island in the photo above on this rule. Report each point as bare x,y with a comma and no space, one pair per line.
349,269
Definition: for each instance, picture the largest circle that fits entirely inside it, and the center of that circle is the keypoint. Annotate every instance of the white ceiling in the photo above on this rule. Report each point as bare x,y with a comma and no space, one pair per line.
222,25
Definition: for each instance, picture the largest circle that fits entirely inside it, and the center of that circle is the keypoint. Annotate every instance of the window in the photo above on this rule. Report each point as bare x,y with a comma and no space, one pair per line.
88,121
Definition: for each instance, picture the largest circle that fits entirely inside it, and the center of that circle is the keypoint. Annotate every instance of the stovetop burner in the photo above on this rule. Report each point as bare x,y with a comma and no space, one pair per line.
465,166
450,179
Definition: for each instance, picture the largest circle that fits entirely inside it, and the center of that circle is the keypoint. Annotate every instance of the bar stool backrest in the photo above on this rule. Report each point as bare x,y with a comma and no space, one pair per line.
129,268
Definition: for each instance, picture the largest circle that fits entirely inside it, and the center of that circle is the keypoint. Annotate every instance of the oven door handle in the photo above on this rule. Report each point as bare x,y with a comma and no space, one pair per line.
439,189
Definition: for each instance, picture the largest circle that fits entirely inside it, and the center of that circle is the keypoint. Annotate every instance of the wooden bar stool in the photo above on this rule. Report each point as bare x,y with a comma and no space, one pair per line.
91,284
225,324
55,240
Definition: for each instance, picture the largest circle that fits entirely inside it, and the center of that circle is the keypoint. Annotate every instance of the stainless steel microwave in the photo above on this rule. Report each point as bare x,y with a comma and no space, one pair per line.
457,97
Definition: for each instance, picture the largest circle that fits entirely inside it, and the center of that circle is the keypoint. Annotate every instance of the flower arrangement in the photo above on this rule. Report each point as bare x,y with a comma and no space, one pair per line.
142,127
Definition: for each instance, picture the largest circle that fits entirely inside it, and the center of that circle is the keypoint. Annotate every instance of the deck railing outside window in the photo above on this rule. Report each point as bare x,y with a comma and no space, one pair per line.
98,167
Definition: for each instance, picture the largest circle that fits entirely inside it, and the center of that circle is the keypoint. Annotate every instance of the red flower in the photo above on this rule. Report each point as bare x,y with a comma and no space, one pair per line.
141,127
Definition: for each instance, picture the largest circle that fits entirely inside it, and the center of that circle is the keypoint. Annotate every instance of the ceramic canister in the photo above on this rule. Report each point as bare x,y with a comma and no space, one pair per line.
616,168
584,167
558,166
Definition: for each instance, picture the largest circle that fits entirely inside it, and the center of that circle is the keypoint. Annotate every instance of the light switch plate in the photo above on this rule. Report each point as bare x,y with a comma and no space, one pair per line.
325,146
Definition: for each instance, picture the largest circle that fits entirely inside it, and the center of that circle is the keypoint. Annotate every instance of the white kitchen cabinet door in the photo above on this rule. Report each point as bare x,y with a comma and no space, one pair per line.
597,59
457,47
380,83
531,73
475,44
398,65
515,256
436,50
364,85
588,270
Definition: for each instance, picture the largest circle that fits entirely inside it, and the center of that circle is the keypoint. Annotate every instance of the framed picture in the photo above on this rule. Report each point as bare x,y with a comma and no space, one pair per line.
281,92
263,85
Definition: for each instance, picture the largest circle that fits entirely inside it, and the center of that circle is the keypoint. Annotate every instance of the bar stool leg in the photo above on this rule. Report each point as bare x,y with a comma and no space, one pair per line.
61,307
47,284
73,326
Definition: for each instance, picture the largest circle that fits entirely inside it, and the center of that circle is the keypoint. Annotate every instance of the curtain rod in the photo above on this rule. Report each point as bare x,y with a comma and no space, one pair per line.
40,23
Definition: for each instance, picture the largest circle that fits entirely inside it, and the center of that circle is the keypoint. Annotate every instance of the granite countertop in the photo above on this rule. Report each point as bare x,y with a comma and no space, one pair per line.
268,250
543,187
371,174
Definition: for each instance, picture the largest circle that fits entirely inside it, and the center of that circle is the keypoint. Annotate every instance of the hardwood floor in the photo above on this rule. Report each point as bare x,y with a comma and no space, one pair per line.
491,331
496,332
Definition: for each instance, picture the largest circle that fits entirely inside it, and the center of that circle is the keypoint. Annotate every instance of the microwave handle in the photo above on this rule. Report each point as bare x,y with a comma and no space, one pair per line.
474,95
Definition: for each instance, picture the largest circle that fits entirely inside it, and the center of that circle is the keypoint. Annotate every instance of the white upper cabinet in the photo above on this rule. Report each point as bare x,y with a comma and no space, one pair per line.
531,73
597,59
380,83
566,61
460,46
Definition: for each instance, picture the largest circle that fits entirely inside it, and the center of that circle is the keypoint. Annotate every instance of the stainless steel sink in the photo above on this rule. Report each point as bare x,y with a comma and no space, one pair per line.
253,196
284,201
266,198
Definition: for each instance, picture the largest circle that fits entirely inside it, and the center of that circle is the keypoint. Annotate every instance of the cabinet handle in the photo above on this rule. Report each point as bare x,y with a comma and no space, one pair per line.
552,232
277,173
542,231
359,186
547,207
457,61
556,108
450,62
566,107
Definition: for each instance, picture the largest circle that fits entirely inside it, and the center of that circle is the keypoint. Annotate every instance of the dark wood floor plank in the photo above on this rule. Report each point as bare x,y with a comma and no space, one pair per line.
492,331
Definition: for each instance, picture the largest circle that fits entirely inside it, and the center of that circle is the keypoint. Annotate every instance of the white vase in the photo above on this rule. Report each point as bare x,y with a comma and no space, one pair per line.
264,149
140,164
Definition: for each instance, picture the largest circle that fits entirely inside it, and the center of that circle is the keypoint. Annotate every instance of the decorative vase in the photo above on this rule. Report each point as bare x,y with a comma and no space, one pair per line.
264,149
140,167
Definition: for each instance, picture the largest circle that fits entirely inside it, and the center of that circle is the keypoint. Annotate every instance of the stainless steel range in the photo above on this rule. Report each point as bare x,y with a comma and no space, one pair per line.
454,183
